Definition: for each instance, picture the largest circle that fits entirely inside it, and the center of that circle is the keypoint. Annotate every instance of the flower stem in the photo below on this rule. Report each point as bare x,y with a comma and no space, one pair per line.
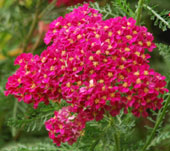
49,7
139,11
117,140
161,114
32,28
111,124
92,148
13,129
38,15
116,135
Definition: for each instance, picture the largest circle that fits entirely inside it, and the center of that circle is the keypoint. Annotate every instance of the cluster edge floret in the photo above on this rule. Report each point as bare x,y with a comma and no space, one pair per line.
95,65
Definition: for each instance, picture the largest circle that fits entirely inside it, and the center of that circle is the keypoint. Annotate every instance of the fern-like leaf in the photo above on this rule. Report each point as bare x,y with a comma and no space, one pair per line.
124,8
164,51
160,19
159,139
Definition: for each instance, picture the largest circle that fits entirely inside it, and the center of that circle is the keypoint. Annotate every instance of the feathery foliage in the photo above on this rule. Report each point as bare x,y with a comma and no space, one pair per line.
164,51
160,19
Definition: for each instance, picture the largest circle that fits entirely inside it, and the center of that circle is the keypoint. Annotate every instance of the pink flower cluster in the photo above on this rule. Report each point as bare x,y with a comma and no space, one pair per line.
96,66
65,127
69,2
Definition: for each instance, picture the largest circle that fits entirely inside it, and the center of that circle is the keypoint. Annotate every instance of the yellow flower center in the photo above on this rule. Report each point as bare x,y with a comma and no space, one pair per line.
68,84
129,37
110,34
138,81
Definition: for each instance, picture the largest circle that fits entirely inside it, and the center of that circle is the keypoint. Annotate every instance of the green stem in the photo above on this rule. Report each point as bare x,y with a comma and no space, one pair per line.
117,140
37,17
32,28
139,11
14,131
36,44
158,121
157,15
92,148
49,7
116,135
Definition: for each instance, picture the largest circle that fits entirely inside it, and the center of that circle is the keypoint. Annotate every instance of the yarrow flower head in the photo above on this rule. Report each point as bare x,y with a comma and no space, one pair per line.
95,66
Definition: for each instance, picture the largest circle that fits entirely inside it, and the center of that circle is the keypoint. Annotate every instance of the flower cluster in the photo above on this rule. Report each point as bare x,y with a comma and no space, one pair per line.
69,2
24,84
96,66
65,127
